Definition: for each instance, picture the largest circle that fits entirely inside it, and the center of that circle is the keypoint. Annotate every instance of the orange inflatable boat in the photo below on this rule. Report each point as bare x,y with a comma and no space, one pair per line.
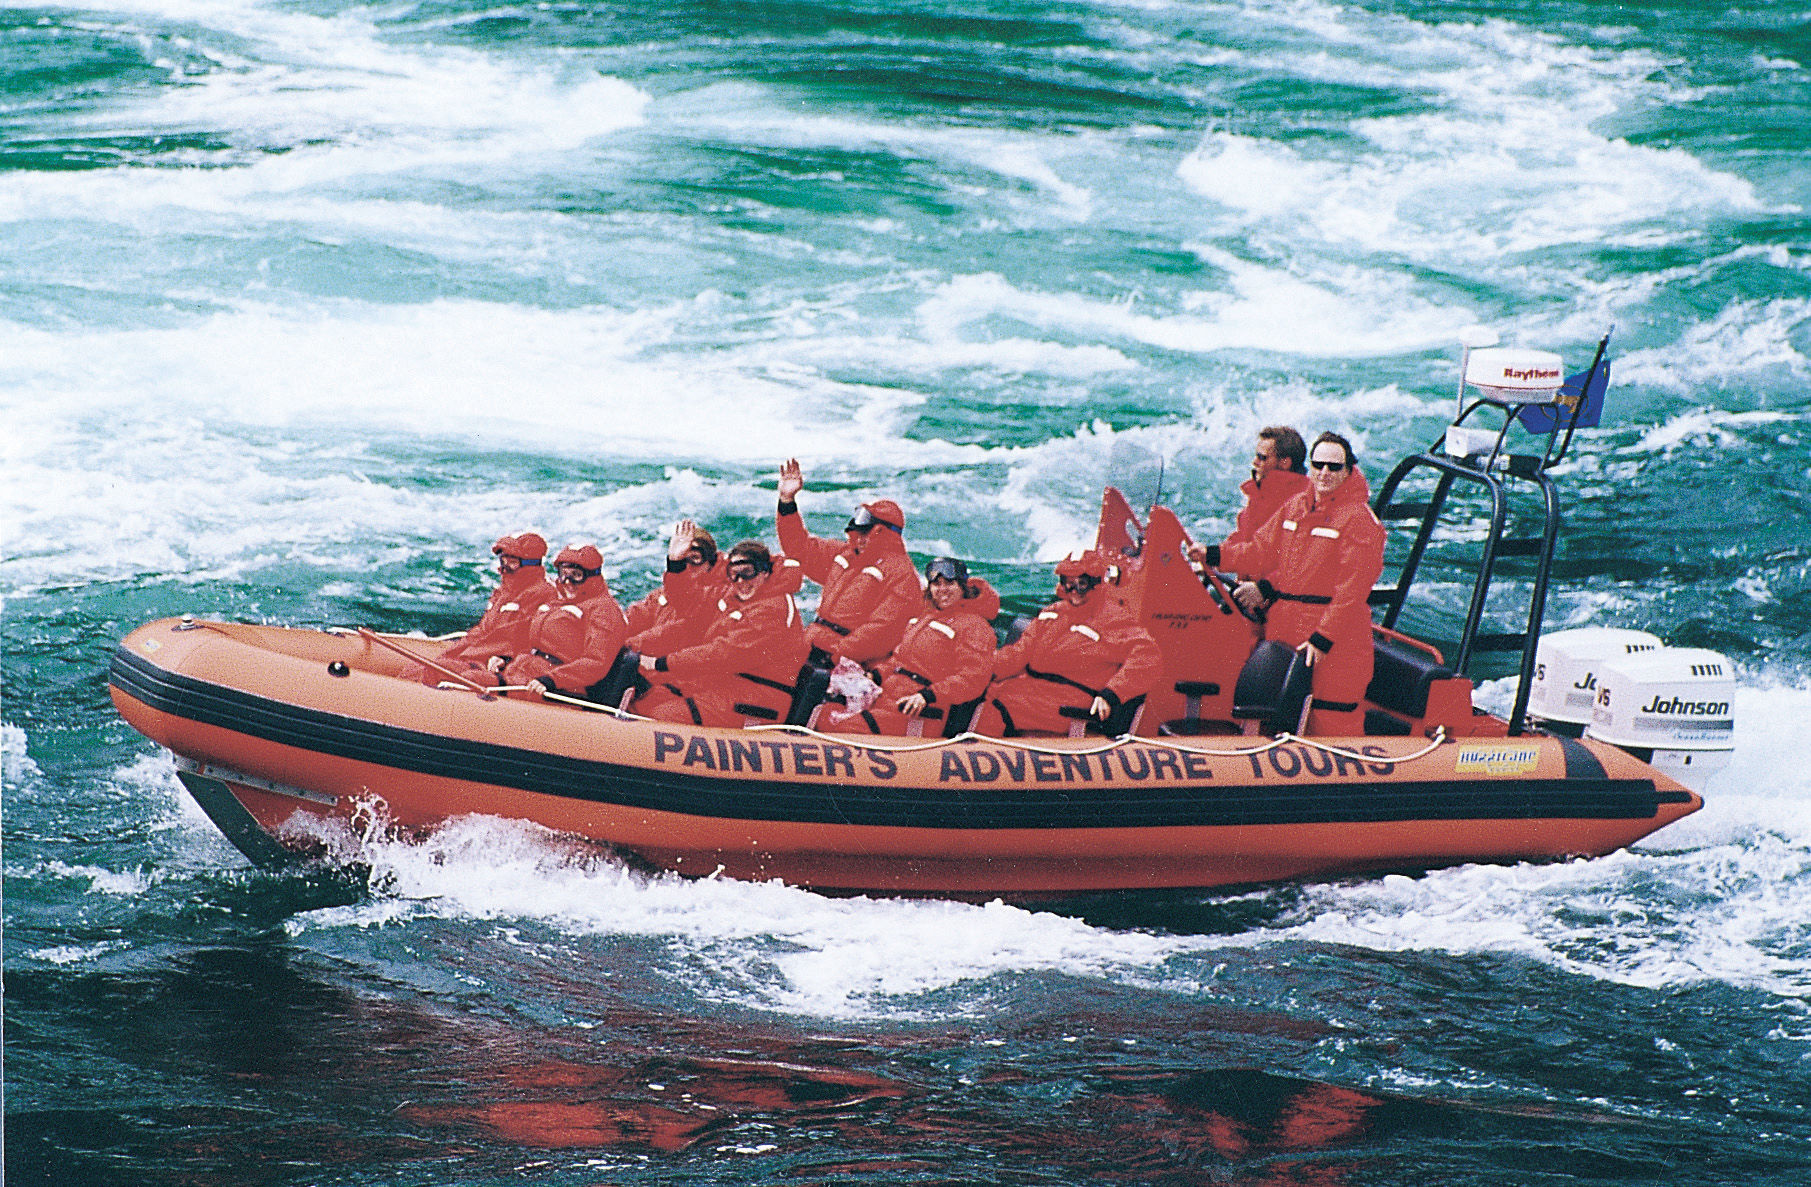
293,740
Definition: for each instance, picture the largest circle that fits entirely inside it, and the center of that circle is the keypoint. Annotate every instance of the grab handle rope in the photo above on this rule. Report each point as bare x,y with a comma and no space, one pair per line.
1106,747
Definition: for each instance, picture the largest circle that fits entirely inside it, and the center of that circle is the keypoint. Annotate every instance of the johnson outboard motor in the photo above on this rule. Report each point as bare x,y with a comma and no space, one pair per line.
1671,707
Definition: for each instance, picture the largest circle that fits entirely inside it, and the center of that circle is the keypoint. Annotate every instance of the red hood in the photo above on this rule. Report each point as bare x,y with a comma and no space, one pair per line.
526,580
881,542
985,604
1353,490
592,589
1279,485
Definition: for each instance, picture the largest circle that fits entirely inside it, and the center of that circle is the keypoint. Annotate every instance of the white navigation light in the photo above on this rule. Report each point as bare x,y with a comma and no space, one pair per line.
1673,707
1565,669
1515,376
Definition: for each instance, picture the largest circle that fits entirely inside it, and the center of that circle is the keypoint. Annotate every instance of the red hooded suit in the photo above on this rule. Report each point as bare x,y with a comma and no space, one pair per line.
947,655
503,629
1068,656
574,639
677,614
744,667
868,597
1319,562
1263,501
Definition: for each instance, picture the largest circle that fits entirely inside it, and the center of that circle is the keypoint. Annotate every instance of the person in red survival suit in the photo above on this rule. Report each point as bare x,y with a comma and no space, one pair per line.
1084,650
1279,472
870,585
945,657
748,660
521,590
1316,561
573,640
677,614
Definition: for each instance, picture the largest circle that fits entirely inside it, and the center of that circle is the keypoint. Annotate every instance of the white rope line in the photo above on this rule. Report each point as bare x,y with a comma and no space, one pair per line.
881,742
352,630
1108,746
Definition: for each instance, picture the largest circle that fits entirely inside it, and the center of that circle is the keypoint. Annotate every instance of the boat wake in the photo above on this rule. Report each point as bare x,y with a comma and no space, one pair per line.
1711,902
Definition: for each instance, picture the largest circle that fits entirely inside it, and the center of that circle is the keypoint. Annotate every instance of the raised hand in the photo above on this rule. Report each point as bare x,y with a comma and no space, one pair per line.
792,480
683,537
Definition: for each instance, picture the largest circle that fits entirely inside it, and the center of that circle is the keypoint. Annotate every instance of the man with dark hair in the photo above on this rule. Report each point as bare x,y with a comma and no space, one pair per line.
1278,474
1315,562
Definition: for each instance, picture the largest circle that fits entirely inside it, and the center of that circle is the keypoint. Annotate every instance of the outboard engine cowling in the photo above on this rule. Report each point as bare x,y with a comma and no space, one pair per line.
1565,673
1672,708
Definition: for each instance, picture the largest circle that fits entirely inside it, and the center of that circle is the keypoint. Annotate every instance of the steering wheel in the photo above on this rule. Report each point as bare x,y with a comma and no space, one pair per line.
1222,596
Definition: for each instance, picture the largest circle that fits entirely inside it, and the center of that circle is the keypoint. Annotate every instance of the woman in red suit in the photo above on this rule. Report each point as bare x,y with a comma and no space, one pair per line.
749,659
945,658
1084,651
572,640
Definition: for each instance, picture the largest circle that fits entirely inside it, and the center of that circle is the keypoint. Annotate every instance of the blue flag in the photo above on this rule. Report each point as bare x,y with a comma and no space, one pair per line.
1544,418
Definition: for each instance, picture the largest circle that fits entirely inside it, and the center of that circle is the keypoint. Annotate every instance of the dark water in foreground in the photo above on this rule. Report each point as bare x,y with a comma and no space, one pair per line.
304,303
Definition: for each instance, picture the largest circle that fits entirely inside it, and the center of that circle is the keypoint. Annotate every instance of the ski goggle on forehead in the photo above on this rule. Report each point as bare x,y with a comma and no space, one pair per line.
863,521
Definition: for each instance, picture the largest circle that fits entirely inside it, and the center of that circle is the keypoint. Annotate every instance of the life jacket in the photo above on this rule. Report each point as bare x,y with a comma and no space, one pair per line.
946,655
1263,500
503,629
1319,562
1097,649
869,596
751,652
560,629
677,614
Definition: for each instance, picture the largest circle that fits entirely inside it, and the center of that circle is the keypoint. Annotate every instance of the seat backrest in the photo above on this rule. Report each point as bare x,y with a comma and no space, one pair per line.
960,716
1401,676
807,693
1273,687
620,683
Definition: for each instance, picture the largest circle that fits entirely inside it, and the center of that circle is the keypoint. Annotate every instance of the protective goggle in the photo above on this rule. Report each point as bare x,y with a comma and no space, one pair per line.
946,569
1082,583
574,573
745,571
863,521
701,554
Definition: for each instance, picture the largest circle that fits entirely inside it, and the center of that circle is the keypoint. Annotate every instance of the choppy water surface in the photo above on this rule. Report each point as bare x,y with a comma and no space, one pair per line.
305,303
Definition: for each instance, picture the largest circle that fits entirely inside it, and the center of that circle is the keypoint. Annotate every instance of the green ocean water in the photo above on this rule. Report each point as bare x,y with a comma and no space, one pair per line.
306,303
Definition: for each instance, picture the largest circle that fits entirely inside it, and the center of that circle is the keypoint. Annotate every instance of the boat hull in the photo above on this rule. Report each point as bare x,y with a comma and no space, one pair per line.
281,752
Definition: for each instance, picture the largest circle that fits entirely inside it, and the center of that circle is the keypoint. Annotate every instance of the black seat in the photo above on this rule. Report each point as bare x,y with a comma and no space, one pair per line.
960,717
623,678
1119,722
1273,688
1191,724
1401,675
807,693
